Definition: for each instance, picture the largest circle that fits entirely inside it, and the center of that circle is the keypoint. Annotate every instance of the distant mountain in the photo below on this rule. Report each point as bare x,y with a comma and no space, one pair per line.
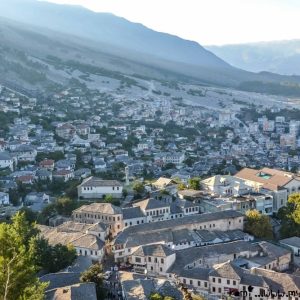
282,57
78,39
110,29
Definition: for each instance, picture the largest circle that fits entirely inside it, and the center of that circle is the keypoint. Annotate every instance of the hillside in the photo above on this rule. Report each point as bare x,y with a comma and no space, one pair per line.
49,45
282,57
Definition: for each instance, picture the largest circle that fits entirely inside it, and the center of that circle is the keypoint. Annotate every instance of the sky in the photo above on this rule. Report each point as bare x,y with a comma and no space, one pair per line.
209,22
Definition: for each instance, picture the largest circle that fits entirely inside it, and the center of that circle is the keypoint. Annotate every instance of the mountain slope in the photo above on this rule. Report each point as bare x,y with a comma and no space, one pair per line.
109,29
105,44
282,57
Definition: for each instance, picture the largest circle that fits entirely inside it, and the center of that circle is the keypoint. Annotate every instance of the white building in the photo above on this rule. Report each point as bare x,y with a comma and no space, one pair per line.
93,188
6,161
4,199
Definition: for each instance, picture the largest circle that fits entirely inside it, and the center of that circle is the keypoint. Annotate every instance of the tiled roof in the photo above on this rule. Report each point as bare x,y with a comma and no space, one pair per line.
158,250
132,212
292,241
174,223
96,182
104,208
273,181
151,204
61,279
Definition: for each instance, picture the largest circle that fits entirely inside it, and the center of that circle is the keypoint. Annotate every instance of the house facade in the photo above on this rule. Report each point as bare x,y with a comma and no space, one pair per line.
96,188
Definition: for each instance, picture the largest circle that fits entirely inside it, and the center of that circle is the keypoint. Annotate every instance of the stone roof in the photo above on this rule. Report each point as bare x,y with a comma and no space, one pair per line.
158,250
293,241
195,273
72,226
188,256
278,281
150,203
61,279
175,223
273,251
227,270
88,241
139,289
98,182
81,291
78,239
132,213
104,208
5,156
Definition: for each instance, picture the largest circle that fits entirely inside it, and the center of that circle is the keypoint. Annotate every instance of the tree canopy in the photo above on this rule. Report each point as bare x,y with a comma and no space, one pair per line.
194,183
18,268
258,225
290,217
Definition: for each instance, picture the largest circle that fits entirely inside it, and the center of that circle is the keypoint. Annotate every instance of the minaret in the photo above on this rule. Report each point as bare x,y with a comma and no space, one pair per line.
127,175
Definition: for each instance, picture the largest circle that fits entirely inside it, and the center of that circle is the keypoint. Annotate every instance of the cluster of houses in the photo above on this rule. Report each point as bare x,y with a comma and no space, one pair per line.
191,238
173,239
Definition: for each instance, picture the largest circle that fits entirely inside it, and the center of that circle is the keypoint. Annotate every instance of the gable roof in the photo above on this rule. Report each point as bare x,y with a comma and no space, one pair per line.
157,250
132,212
293,241
151,203
104,208
271,179
98,182
227,270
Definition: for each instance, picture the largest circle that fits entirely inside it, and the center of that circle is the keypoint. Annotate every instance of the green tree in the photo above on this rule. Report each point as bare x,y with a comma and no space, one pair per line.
64,206
138,187
290,217
18,278
108,198
258,225
194,183
95,274
181,186
30,215
156,296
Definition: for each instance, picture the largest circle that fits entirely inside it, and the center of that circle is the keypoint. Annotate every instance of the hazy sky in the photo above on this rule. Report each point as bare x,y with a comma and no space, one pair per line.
210,22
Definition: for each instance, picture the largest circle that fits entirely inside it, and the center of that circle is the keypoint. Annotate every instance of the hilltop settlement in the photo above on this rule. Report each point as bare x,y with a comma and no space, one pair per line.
173,199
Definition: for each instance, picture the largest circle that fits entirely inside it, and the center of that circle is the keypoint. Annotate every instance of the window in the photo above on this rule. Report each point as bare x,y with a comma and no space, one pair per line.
149,259
151,268
214,289
155,259
184,281
199,283
191,282
160,269
214,279
138,259
228,281
234,282
205,284
229,222
219,280
162,260
125,224
220,290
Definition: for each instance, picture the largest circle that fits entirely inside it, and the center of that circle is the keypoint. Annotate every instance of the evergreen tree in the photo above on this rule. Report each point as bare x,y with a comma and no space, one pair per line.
18,269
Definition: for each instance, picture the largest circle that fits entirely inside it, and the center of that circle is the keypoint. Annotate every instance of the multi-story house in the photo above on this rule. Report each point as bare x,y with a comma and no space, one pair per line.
279,184
96,188
6,161
100,212
154,259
